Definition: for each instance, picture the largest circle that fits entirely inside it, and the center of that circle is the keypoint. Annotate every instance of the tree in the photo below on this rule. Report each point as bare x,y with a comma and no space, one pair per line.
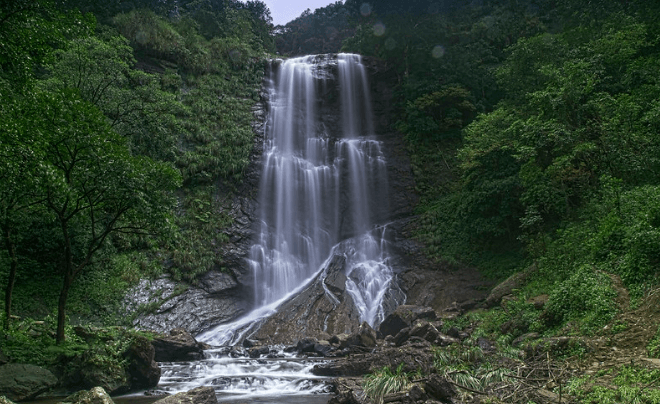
92,185
132,100
18,164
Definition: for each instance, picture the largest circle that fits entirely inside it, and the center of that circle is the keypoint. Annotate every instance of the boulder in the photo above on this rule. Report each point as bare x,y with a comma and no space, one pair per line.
414,356
364,337
426,331
112,377
346,391
404,316
439,388
199,395
507,287
178,346
24,382
143,370
259,351
94,396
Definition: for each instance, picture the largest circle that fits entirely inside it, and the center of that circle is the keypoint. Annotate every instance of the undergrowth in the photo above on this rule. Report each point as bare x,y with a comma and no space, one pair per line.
385,381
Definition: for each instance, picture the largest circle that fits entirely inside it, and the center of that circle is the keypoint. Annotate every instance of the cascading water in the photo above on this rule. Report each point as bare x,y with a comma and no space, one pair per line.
324,181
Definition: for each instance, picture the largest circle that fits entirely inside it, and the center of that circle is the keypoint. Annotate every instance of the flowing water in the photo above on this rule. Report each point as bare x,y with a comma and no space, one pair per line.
323,182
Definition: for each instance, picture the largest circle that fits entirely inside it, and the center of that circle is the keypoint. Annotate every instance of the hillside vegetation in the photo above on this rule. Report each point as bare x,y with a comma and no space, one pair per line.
117,127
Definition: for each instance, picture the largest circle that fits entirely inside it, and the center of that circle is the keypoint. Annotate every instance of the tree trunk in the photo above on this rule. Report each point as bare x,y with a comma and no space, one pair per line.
61,305
13,264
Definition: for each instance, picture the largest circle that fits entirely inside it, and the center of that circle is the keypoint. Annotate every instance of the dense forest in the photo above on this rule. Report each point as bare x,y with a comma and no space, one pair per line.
532,127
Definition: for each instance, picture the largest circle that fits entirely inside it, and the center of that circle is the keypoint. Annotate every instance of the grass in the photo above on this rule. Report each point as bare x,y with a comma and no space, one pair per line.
384,381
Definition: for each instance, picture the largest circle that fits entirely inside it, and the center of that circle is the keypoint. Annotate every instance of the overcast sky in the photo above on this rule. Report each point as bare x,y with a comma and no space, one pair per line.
284,11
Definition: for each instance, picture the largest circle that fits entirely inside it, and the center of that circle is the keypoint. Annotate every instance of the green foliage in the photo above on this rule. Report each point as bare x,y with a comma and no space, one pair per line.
515,318
466,366
586,297
29,31
31,341
132,101
437,115
385,381
653,347
633,385
194,249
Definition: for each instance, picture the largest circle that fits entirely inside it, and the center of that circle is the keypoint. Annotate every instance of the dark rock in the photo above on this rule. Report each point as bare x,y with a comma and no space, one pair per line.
178,346
306,345
417,394
454,332
323,349
364,337
199,395
485,344
404,316
425,331
24,382
347,391
402,336
507,287
413,357
215,282
97,395
143,370
439,388
336,279
257,352
392,325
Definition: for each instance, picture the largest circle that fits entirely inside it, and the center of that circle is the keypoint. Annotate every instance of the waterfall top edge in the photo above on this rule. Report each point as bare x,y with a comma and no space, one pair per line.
318,57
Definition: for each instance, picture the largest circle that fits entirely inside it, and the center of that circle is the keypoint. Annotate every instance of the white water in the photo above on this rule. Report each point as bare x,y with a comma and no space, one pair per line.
317,198
236,376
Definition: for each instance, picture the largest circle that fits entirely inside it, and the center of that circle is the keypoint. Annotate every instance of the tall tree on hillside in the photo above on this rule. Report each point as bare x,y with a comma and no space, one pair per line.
92,185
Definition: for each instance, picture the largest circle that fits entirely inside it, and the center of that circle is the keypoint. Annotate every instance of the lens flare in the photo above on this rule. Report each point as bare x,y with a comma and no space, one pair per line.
365,9
390,43
379,29
438,51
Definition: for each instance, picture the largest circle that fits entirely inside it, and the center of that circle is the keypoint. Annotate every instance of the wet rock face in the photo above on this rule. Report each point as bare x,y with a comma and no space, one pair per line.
195,308
314,312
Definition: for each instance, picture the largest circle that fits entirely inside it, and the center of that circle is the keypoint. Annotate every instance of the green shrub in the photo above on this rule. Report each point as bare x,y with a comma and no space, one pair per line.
586,297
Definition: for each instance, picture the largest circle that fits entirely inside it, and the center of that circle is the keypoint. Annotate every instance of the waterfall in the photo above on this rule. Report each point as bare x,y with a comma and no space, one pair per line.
323,181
